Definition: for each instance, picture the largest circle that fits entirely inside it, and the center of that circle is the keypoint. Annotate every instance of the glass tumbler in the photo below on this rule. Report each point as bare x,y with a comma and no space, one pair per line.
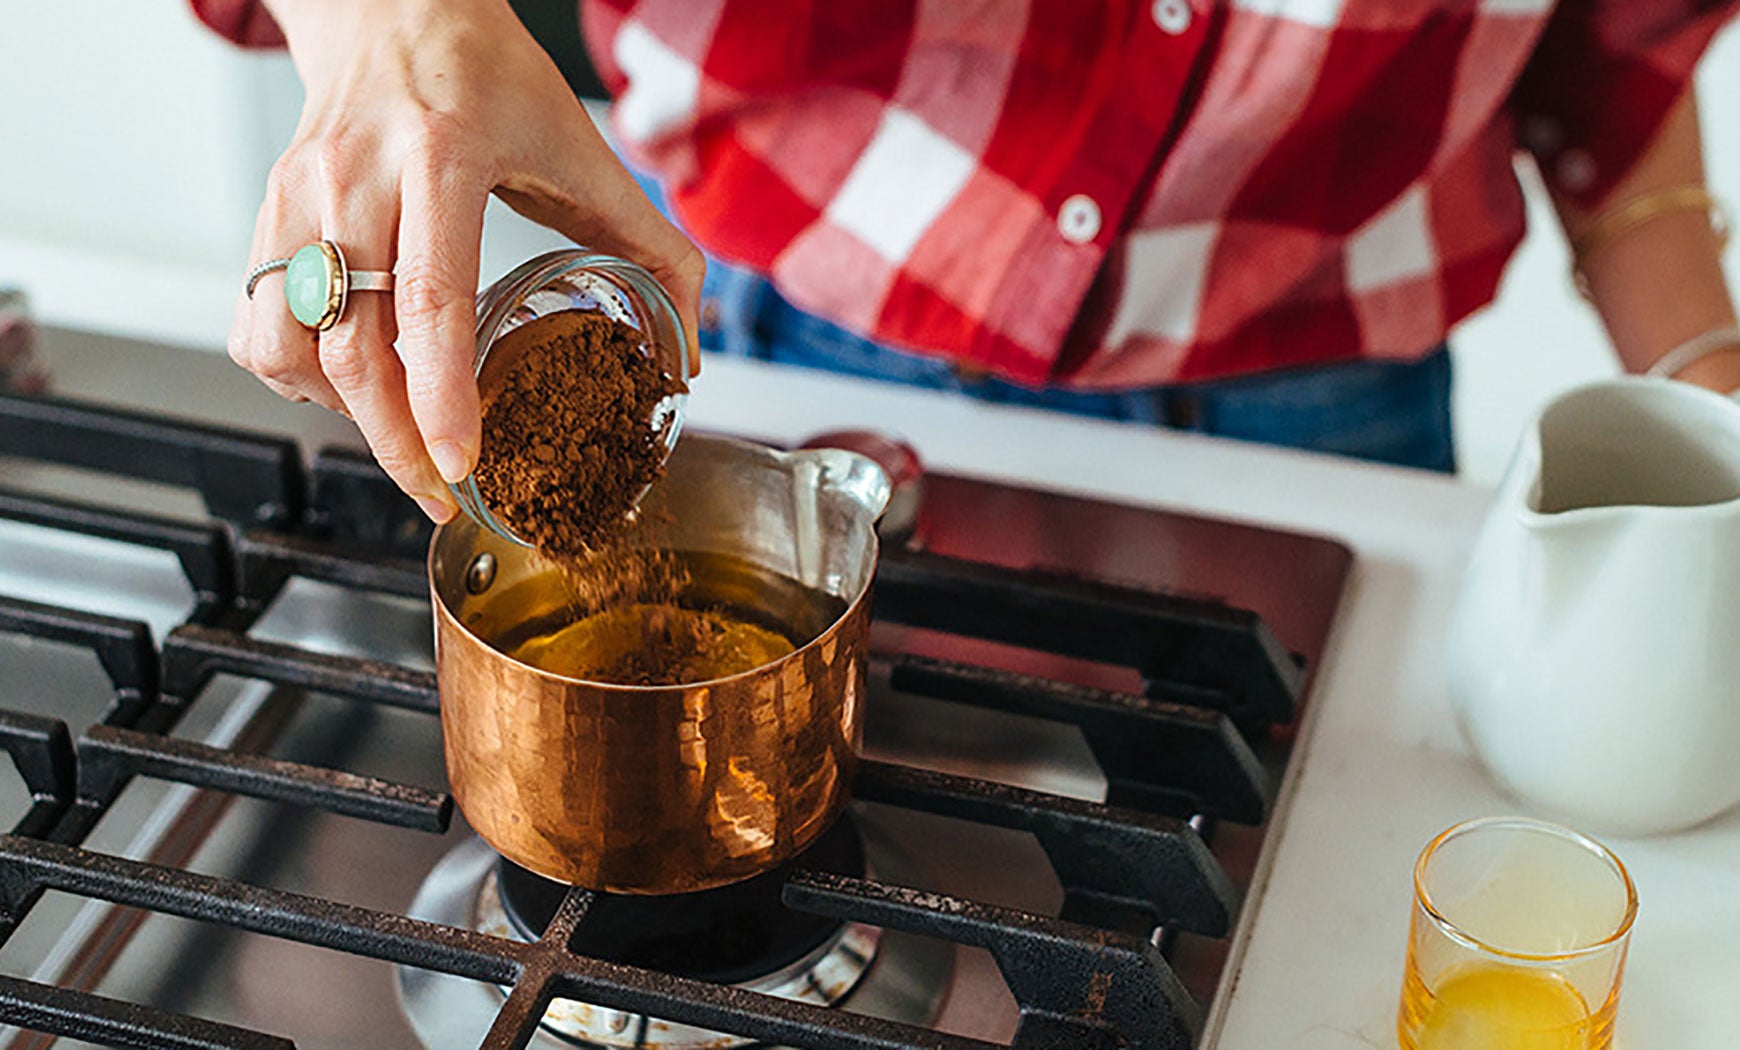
1517,941
576,279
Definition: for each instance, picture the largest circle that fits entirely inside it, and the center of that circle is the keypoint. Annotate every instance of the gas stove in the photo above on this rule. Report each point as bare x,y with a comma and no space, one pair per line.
230,825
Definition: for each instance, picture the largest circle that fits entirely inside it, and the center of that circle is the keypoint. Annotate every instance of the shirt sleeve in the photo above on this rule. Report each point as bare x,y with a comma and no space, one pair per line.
1603,78
244,22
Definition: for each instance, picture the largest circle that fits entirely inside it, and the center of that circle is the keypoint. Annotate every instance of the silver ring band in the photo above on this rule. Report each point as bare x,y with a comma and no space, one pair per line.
262,270
370,280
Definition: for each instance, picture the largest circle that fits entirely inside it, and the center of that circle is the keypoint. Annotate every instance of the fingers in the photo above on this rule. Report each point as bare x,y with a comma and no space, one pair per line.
435,292
365,371
359,212
627,224
637,231
590,198
630,226
265,339
285,392
682,279
338,190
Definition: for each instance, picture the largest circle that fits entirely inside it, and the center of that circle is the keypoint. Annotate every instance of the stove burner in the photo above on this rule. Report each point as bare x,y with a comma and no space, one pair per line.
754,942
740,934
729,935
824,976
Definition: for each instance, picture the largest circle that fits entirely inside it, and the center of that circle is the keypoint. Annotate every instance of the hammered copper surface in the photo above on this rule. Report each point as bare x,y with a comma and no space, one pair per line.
648,789
651,790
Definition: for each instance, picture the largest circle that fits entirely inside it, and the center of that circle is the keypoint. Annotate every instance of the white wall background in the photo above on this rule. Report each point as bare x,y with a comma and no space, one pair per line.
134,146
128,129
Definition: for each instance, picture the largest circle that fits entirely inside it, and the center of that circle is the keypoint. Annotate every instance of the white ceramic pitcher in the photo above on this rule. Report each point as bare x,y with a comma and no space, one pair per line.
1594,656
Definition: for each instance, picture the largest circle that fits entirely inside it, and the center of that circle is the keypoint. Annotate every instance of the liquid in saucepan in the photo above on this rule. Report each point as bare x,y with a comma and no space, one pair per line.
681,617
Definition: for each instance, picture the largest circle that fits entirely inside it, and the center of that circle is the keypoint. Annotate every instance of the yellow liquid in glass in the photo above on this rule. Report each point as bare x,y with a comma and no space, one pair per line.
1490,1007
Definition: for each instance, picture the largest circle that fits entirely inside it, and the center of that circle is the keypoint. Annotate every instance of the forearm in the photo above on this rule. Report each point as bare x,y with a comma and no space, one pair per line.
1661,283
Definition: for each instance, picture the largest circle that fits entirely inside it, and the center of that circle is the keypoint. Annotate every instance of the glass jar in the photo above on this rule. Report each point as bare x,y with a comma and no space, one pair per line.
577,279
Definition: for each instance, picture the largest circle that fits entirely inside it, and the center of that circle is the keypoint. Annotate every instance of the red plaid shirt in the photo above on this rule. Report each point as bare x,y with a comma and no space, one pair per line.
1120,194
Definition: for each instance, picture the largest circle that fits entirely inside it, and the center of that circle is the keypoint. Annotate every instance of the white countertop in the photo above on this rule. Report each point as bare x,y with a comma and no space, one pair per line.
1383,768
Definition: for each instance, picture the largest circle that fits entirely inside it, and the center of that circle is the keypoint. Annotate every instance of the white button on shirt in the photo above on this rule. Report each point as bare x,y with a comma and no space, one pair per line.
1576,170
1078,219
1172,16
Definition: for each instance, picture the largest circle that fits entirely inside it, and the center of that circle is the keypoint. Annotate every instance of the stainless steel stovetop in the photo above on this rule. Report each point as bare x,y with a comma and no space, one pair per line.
320,998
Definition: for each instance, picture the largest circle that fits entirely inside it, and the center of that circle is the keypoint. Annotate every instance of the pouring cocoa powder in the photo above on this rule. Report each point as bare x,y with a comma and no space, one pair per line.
567,443
567,450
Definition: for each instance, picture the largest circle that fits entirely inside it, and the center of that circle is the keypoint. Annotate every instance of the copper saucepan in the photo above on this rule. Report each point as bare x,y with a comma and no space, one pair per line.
652,789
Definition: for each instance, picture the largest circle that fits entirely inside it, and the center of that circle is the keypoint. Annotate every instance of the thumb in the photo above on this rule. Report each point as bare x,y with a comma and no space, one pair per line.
599,205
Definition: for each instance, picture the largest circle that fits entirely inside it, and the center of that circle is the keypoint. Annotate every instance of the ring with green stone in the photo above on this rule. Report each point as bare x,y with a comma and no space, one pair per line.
317,283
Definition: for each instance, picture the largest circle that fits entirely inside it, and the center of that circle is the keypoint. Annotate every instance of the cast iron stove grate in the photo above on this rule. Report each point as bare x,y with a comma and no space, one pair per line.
1135,869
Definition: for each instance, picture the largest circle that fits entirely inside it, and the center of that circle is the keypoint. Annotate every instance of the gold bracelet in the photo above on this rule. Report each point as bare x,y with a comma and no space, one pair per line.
1627,215
1620,219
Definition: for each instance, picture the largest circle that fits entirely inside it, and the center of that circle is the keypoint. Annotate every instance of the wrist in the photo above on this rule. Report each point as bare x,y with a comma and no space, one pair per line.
1660,288
302,20
1711,360
1719,372
313,28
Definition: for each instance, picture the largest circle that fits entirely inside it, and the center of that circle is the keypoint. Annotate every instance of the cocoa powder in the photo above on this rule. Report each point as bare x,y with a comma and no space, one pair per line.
567,445
567,449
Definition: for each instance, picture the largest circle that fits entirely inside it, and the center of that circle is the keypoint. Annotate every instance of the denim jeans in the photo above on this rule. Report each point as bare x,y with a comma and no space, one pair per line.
1391,412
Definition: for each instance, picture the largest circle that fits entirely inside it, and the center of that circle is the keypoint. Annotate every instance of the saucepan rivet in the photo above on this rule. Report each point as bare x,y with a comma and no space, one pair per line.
480,573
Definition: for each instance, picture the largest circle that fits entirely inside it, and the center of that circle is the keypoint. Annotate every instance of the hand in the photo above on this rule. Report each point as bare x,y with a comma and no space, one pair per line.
415,113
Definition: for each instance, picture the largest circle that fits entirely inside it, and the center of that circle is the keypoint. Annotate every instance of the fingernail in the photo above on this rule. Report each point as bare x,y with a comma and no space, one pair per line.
450,460
440,511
